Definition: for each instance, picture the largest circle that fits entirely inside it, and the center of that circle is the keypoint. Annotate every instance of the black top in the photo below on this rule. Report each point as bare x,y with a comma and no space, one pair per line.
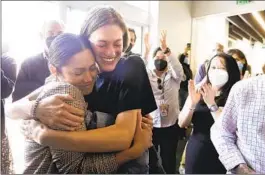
8,78
125,88
201,156
187,71
31,76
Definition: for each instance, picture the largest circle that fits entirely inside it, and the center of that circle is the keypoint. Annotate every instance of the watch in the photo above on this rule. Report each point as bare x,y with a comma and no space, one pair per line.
214,108
167,51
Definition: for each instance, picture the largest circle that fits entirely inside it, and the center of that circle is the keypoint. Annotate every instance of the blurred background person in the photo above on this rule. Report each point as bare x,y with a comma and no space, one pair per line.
8,78
242,62
165,74
132,40
185,62
34,70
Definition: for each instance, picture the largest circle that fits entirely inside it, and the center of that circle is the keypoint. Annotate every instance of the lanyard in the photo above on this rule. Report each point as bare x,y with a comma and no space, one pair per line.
163,87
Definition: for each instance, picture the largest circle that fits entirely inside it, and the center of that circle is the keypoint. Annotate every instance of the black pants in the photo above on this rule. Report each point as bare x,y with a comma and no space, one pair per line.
167,140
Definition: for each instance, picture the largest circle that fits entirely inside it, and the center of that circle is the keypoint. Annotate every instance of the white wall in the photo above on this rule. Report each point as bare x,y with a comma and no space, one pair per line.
129,12
204,8
206,33
175,17
216,12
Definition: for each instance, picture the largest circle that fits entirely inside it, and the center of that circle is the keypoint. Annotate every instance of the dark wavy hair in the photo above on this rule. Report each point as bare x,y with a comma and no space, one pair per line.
233,76
242,56
64,47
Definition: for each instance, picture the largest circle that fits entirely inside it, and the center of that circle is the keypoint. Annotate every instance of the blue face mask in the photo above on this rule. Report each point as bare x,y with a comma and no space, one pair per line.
240,65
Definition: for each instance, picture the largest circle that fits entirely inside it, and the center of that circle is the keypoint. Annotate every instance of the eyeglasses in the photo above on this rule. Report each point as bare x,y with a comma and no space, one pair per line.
159,81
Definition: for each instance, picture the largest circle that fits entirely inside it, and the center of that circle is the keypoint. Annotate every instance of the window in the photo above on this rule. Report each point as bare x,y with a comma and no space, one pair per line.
22,21
74,20
21,24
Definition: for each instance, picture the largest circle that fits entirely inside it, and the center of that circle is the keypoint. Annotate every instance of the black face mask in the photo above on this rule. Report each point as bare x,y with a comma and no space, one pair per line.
49,41
160,64
129,48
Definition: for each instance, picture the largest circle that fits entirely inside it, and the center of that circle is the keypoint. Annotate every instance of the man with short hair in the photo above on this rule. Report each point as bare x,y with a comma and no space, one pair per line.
132,39
239,133
34,70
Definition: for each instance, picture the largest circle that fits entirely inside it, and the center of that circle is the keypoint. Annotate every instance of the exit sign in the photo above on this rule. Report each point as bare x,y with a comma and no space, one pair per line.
241,2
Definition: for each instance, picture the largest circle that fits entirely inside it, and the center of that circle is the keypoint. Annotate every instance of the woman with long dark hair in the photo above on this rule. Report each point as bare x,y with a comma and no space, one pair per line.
241,60
202,109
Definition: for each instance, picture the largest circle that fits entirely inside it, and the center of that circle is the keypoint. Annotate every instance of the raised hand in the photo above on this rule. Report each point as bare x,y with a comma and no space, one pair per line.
163,40
193,94
208,94
147,43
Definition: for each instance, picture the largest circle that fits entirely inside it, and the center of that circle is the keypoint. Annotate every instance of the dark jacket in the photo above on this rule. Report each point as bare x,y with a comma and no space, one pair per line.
8,78
187,72
31,76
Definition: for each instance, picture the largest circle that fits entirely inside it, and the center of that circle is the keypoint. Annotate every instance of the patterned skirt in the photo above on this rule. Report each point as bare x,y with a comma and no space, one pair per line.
6,158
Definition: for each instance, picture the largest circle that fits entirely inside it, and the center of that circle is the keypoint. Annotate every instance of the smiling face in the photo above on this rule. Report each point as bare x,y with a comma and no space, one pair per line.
107,43
80,71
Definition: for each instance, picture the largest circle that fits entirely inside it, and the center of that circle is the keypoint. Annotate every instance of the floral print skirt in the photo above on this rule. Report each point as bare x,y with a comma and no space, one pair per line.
6,158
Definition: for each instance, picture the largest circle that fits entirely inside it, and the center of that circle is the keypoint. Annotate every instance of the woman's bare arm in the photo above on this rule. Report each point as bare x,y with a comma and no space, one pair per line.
112,138
21,109
186,114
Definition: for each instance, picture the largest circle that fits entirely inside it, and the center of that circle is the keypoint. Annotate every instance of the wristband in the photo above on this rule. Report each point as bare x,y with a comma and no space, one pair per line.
34,109
214,108
167,51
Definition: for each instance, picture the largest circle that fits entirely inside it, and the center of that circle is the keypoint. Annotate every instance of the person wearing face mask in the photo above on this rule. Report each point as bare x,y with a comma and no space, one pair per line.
202,109
165,74
34,70
184,60
201,73
241,60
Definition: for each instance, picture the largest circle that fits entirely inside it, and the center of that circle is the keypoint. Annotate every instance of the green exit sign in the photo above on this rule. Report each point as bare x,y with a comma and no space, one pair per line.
241,2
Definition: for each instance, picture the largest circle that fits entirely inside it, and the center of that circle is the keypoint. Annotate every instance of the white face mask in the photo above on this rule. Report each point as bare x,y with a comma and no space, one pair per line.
218,77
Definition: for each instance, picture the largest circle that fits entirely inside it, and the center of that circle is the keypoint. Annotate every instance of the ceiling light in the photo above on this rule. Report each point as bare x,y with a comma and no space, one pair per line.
259,19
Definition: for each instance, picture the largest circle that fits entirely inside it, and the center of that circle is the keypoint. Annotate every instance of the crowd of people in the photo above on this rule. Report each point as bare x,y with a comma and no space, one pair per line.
91,105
